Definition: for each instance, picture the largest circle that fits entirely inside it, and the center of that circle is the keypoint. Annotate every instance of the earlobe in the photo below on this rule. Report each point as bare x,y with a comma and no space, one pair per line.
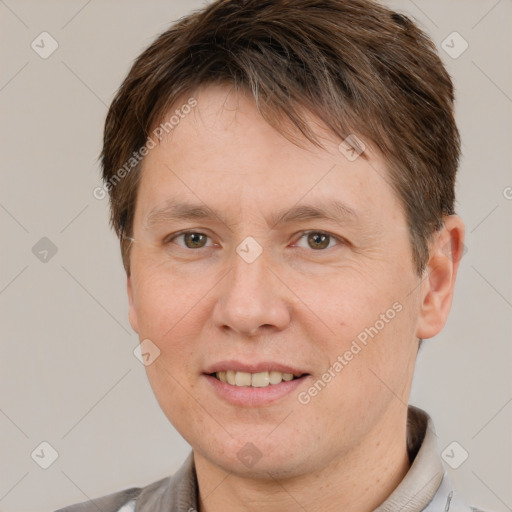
438,285
132,311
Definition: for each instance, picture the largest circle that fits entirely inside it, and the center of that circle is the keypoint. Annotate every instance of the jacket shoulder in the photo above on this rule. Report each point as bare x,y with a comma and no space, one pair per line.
108,503
113,502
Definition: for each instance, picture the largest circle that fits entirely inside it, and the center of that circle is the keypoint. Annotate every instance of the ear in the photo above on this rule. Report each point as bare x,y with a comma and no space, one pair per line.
132,311
446,251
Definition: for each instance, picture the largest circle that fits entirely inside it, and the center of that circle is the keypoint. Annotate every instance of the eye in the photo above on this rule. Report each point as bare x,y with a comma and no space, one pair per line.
319,240
192,239
316,240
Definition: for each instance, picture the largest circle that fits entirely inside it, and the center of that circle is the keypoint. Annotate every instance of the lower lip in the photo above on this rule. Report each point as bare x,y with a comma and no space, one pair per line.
247,396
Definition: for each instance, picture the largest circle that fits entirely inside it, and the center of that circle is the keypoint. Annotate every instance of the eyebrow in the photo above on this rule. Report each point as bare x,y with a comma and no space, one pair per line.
332,210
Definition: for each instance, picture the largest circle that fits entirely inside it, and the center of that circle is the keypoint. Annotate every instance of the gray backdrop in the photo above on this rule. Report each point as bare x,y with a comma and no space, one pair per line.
69,375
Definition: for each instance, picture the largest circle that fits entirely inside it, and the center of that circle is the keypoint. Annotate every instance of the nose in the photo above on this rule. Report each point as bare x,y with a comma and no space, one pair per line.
252,299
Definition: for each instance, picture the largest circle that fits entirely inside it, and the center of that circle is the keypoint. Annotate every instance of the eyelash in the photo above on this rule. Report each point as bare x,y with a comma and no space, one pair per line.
339,240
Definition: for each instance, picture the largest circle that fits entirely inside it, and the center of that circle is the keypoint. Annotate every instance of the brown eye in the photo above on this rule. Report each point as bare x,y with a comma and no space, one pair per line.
194,240
318,240
191,240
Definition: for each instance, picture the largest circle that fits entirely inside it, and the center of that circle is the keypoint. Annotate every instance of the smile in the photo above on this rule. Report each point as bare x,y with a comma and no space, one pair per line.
255,380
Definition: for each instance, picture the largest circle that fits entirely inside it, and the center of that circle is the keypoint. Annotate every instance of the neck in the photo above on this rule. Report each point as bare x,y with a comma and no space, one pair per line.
358,480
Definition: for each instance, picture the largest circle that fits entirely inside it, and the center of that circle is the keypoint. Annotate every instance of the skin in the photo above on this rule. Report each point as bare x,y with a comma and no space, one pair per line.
296,304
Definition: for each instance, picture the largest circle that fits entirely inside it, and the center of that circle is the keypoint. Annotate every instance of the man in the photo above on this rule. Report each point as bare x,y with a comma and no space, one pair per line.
281,176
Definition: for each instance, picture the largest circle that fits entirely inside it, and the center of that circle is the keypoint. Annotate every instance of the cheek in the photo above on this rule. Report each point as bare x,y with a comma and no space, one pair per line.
161,300
373,341
165,316
348,300
369,378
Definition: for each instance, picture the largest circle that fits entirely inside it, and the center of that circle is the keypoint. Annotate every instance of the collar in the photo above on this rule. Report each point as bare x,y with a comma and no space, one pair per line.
424,477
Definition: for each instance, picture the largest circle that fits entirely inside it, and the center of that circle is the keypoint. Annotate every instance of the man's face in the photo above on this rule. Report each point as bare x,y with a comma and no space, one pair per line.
319,291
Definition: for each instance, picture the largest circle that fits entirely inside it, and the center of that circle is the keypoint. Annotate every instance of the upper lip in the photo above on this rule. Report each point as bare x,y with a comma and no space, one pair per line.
262,366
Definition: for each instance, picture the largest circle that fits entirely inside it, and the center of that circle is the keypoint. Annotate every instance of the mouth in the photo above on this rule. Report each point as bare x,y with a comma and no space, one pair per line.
253,384
255,380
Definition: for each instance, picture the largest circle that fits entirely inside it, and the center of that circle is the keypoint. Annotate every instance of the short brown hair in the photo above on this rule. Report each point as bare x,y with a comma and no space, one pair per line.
355,64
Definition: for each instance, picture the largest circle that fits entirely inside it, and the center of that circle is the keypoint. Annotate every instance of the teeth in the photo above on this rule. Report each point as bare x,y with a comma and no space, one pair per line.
230,377
242,379
275,377
260,380
256,380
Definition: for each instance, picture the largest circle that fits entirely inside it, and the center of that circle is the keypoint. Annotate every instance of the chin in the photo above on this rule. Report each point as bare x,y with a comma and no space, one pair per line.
260,457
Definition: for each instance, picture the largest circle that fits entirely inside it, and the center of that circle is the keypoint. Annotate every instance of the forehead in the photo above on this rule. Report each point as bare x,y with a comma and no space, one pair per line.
223,153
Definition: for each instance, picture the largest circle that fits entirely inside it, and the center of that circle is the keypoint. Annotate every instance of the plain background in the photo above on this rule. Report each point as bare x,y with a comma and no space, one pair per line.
68,372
